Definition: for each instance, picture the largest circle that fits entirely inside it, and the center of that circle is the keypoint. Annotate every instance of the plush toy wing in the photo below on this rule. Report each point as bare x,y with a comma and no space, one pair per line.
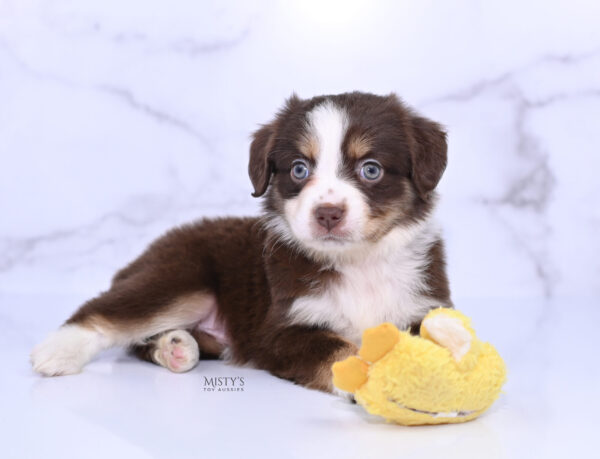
452,330
449,332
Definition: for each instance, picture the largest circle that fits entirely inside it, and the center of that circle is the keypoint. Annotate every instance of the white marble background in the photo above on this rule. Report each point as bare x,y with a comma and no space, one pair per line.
120,119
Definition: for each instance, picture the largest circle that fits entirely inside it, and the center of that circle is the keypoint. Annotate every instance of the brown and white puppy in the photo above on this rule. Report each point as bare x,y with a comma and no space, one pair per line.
347,241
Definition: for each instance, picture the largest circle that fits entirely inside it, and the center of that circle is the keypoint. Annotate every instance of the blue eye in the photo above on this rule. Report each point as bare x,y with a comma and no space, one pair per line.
299,170
371,170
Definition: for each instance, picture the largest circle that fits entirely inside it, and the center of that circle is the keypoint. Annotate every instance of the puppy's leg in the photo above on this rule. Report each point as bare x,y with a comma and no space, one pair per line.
305,355
176,350
67,350
129,313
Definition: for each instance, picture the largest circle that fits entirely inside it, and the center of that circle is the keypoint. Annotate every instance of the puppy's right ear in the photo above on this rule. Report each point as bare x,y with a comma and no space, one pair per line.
260,167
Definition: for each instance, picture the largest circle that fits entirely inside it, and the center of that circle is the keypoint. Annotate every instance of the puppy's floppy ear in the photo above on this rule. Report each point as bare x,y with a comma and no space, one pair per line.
260,167
429,154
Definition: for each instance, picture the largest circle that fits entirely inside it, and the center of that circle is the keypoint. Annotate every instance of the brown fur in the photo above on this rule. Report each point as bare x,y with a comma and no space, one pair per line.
358,146
309,147
253,276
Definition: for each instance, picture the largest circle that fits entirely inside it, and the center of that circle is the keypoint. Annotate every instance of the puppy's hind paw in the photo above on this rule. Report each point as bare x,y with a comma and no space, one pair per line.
65,351
177,350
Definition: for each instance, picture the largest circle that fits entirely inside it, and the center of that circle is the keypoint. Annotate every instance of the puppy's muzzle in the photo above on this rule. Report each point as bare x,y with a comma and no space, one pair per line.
329,216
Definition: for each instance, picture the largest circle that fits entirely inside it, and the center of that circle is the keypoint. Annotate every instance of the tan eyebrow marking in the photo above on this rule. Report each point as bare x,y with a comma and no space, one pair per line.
309,146
358,146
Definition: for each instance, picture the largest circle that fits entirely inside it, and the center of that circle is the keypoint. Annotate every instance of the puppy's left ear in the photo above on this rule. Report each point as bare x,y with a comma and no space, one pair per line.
429,155
260,167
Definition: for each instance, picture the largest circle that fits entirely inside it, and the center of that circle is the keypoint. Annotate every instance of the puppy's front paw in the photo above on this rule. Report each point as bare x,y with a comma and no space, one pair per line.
65,351
177,350
347,396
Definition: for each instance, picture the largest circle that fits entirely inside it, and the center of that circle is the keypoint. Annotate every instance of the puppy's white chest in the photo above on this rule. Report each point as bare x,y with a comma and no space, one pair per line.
382,289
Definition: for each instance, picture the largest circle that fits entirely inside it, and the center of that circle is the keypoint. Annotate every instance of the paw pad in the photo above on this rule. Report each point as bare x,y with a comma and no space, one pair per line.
177,350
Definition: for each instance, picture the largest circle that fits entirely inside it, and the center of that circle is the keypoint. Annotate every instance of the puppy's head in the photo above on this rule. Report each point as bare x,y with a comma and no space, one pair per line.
341,171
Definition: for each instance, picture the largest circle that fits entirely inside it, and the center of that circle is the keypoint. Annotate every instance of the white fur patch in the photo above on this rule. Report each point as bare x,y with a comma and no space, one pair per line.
383,282
327,123
67,350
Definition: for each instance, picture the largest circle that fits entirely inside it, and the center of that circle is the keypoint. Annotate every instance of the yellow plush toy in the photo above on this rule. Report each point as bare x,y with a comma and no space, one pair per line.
446,375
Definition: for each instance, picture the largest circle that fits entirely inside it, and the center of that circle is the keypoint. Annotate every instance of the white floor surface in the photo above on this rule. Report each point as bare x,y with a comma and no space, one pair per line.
122,407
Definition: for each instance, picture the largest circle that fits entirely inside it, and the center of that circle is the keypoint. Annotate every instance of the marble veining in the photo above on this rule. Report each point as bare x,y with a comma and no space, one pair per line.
161,105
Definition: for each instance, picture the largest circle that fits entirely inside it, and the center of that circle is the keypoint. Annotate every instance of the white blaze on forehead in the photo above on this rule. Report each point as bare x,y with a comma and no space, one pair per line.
328,124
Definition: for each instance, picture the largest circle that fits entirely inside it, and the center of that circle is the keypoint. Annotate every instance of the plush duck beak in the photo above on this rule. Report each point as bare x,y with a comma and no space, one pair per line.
352,373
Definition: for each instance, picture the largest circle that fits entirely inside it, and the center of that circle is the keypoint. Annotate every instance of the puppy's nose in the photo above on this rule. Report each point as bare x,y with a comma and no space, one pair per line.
329,216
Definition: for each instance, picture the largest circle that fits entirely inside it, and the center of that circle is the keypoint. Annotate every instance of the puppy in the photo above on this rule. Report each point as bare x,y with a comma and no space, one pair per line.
346,241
